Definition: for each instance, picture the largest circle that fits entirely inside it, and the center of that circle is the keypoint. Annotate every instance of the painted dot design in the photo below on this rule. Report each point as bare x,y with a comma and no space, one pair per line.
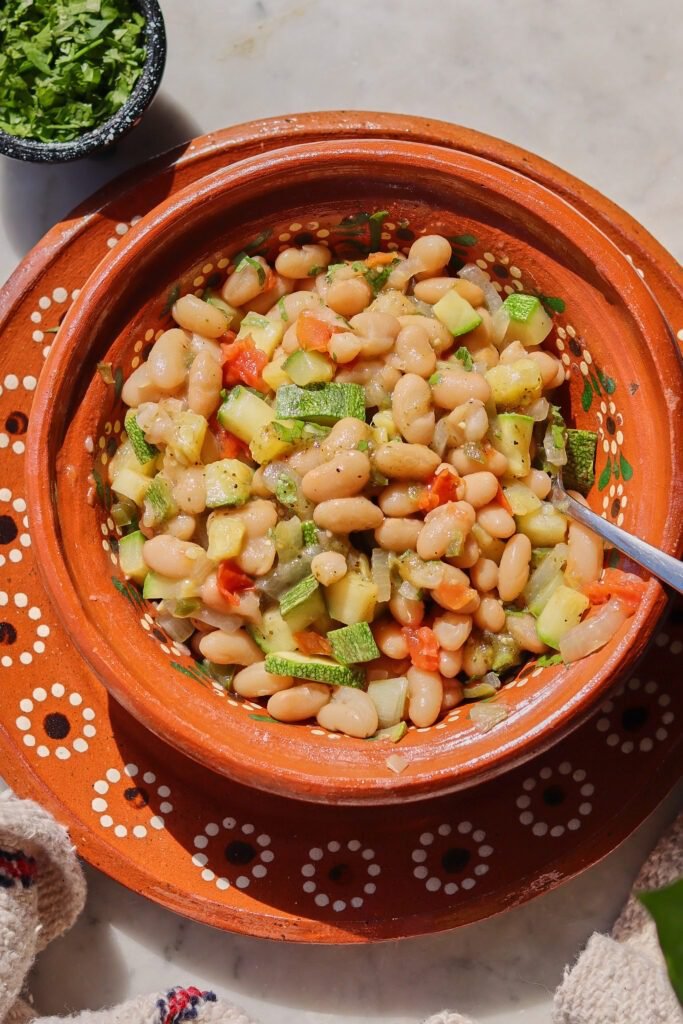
15,535
451,858
555,801
639,715
340,875
231,854
55,722
131,802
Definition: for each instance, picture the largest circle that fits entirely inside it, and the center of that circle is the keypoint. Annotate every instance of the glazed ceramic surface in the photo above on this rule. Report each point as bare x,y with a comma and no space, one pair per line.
358,197
168,824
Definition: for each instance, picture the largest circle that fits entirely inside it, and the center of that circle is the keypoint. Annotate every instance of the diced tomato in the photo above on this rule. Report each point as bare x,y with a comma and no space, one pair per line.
243,363
228,338
229,446
232,581
442,487
629,589
312,333
501,500
380,259
312,643
423,647
453,596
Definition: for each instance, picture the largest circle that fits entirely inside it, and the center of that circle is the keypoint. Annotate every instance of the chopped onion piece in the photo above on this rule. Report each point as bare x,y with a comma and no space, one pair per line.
593,633
486,716
442,435
410,592
555,456
471,272
538,410
381,574
492,679
397,764
500,321
421,574
178,629
285,575
228,623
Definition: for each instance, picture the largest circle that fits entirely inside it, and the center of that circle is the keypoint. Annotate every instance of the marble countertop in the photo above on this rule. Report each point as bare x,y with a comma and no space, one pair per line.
596,95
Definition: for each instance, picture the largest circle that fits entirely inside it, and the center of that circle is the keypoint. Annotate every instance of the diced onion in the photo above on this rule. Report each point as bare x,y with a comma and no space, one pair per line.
538,410
500,321
228,623
486,716
555,456
285,575
442,435
593,633
421,574
381,574
410,592
471,272
396,763
492,680
178,629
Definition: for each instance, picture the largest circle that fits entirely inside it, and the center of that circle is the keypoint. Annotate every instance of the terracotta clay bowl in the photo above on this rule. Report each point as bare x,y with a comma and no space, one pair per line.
358,195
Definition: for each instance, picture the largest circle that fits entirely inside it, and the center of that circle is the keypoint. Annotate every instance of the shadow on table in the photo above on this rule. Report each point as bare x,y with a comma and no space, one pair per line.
33,197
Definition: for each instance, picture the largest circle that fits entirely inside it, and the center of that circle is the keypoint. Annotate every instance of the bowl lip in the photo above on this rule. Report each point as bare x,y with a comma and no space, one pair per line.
106,133
67,603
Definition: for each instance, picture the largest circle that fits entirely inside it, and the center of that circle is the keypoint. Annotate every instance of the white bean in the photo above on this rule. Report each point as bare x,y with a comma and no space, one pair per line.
298,703
350,711
253,681
586,556
484,575
198,316
414,354
390,639
522,628
412,409
406,461
398,535
204,385
139,388
344,475
496,521
452,630
490,615
189,491
407,611
328,567
455,387
168,361
450,663
425,693
246,281
172,557
257,556
230,648
347,515
294,263
513,571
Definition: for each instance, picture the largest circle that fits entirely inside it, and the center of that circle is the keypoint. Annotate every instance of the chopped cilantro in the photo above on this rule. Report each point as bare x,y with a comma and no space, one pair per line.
463,355
434,379
286,491
332,270
314,271
362,446
67,66
249,261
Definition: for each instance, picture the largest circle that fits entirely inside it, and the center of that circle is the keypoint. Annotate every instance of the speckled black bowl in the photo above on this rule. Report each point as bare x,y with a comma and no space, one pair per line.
127,117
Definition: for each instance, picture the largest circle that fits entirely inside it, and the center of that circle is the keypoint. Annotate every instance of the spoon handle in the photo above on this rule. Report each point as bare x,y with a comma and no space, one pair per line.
665,567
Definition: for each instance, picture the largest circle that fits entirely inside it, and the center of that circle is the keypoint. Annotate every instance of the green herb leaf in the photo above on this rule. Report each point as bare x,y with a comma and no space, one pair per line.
249,261
434,379
67,66
332,270
464,356
171,299
264,718
314,271
546,660
362,446
375,222
666,907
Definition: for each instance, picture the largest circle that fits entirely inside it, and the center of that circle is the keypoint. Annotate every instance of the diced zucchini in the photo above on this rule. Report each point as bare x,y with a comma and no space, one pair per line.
228,482
226,536
539,555
549,568
529,322
545,527
319,669
144,452
490,547
562,612
456,313
543,594
129,484
274,633
243,413
309,368
158,587
288,538
125,458
393,734
579,472
309,533
506,652
321,403
352,599
266,334
510,434
521,499
268,443
188,437
297,594
131,561
353,644
390,697
515,384
159,503
309,611
477,690
274,375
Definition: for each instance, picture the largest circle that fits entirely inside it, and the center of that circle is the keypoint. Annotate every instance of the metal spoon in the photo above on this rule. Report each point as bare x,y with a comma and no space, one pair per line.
665,567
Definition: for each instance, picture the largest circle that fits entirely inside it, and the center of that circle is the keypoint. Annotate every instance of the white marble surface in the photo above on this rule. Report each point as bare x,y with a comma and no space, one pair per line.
595,91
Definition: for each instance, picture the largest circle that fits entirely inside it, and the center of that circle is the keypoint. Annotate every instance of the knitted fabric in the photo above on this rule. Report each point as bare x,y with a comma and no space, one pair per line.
618,980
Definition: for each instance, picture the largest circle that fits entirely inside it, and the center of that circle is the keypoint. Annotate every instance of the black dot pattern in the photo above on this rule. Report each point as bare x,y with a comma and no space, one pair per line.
136,795
56,725
340,873
16,423
240,853
455,860
633,719
554,795
8,530
8,634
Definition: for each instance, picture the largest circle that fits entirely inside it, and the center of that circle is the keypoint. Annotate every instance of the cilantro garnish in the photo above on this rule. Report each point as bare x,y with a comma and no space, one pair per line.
464,356
249,261
66,66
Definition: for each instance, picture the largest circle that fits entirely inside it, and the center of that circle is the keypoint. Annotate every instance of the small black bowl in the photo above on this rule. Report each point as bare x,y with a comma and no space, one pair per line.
105,134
